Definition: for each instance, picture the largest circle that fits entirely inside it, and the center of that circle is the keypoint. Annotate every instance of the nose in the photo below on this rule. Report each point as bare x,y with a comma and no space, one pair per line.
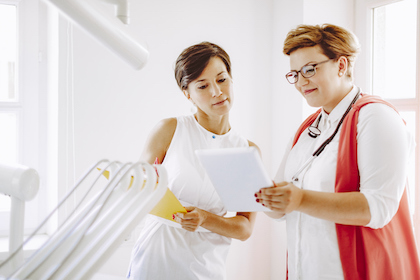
216,91
301,80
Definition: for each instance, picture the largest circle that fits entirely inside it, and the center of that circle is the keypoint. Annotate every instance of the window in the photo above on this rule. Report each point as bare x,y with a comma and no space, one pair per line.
19,100
394,50
394,71
8,91
389,36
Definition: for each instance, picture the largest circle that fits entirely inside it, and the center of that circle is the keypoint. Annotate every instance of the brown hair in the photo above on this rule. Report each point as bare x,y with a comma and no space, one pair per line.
334,41
192,61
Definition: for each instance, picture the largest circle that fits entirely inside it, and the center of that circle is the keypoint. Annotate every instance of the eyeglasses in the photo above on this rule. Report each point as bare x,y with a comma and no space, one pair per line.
306,71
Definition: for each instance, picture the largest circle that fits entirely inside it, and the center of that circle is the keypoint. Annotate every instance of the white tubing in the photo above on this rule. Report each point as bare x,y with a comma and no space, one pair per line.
81,246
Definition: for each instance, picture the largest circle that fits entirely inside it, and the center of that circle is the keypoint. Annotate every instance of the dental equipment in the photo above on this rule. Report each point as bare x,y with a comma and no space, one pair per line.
95,229
110,32
21,183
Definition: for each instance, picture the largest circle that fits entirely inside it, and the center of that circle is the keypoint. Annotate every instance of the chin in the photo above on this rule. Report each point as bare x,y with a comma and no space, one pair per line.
313,103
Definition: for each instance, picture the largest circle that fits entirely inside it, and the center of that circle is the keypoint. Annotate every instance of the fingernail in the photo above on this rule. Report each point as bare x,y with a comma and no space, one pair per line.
255,195
257,200
173,217
260,191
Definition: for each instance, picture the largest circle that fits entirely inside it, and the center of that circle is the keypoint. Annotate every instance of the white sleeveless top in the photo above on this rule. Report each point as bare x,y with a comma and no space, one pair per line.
166,251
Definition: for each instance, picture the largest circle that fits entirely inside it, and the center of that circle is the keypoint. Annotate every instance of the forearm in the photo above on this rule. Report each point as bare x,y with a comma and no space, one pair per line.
349,208
238,227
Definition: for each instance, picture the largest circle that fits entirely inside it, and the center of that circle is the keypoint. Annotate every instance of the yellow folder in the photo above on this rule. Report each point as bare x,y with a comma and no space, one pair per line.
166,207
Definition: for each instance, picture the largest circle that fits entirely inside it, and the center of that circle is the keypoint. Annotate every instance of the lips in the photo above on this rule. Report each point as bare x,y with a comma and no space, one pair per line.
220,103
309,91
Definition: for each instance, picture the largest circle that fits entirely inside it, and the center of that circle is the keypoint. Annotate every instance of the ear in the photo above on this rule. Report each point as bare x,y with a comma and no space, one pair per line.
187,95
342,65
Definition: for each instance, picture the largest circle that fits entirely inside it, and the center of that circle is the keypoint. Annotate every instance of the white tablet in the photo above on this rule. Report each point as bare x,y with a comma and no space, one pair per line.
236,174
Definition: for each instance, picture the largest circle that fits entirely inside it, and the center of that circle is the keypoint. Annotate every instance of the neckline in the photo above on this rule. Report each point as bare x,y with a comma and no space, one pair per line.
336,114
211,134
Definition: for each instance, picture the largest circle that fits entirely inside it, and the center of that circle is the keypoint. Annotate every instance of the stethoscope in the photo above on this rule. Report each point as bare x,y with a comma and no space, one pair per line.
315,132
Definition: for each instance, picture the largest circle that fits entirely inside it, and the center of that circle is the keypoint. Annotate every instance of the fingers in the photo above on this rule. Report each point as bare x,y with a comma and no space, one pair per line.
177,217
275,193
189,221
274,190
276,198
189,208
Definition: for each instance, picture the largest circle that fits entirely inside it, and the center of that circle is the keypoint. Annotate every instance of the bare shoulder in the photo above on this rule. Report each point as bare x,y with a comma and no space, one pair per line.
166,126
159,140
164,131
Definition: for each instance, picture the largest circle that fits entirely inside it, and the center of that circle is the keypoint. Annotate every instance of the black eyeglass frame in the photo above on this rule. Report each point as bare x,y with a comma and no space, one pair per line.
302,72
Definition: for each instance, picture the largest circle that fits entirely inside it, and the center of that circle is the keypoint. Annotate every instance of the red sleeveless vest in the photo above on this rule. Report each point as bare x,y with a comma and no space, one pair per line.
370,254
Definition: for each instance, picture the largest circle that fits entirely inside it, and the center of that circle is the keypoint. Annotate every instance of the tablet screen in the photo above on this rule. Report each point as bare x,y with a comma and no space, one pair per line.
236,174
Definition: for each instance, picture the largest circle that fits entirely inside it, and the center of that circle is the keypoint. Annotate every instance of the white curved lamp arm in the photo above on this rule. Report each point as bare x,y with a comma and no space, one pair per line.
121,9
108,30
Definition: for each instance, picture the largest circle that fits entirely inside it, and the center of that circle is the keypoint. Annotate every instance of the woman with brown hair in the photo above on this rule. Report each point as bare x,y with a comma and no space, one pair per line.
197,246
341,184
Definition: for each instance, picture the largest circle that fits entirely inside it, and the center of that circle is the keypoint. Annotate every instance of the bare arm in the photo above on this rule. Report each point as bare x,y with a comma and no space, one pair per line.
349,208
239,227
159,140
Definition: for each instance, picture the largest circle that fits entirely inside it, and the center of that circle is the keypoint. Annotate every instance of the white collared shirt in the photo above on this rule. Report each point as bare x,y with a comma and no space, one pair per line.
384,147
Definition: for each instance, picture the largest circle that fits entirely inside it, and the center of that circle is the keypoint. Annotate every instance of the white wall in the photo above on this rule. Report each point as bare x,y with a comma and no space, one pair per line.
115,107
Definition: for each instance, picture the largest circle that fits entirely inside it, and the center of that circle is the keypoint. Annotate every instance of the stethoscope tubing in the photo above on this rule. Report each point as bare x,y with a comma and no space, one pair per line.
326,142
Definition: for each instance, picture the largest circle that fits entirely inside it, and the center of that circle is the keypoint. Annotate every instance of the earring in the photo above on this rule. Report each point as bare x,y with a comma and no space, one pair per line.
193,108
340,74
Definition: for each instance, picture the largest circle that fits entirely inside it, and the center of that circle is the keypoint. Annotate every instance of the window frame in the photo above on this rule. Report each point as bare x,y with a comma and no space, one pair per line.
363,77
28,107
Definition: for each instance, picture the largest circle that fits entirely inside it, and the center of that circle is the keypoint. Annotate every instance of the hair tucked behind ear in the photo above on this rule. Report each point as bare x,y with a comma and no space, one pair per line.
192,61
334,41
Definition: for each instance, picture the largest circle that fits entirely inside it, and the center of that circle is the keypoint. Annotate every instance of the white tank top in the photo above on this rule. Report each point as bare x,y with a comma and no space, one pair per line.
166,251
187,178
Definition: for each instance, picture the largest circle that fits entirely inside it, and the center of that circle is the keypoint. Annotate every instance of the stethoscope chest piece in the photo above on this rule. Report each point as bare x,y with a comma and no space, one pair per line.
314,131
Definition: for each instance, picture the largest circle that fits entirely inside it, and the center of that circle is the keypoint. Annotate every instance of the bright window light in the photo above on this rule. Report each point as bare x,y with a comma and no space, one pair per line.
394,50
8,90
8,47
410,119
8,147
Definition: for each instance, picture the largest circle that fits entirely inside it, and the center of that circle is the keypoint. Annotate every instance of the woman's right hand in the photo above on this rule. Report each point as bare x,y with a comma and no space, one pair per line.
191,220
283,197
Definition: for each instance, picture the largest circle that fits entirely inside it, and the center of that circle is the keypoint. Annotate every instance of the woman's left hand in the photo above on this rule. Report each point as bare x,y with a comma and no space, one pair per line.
283,197
191,220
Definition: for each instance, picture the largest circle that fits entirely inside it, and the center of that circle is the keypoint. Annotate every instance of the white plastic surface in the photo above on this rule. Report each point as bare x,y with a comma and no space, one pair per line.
19,181
94,230
108,30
